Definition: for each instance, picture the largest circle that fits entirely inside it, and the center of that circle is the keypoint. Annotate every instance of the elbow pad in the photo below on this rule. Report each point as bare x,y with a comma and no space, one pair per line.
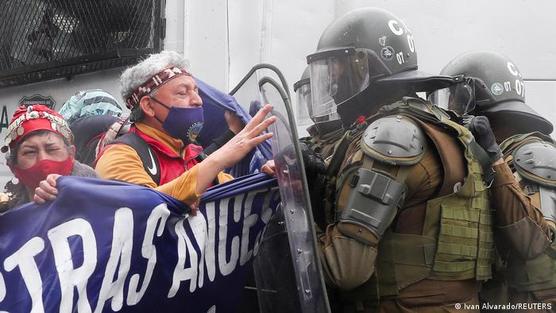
373,202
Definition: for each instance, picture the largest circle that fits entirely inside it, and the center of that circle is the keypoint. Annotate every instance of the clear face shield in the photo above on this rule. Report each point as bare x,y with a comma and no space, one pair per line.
459,98
336,76
303,93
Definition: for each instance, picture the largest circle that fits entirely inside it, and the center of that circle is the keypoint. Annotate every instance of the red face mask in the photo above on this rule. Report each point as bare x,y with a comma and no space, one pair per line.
31,177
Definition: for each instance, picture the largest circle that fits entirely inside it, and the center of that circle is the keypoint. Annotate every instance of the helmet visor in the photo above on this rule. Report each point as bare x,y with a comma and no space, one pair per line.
304,109
459,98
336,76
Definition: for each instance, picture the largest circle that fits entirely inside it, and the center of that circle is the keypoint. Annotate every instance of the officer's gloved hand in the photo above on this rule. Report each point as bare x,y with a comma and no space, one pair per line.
315,170
482,131
314,164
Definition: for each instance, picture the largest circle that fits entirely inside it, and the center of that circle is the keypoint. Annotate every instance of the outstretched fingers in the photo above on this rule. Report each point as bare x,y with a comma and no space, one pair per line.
259,117
261,127
255,141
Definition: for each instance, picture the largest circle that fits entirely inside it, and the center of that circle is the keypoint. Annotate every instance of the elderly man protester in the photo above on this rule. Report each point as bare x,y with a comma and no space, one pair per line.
167,113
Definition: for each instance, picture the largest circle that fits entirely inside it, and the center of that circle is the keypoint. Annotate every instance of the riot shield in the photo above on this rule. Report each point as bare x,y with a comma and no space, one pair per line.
279,280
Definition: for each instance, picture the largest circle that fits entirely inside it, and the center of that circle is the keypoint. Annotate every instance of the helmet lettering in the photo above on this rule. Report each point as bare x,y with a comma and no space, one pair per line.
411,42
508,86
400,57
513,69
520,87
395,27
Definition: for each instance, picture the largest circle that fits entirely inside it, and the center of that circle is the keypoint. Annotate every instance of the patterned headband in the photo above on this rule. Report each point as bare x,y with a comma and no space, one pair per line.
36,117
154,83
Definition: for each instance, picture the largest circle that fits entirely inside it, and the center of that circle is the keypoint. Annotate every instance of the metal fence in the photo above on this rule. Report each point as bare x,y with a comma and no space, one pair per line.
47,39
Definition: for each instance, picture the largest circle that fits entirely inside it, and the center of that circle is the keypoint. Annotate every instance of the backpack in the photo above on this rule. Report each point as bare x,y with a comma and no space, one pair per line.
93,133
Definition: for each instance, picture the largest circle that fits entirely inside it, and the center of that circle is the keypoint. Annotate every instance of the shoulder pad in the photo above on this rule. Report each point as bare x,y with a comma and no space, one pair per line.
536,161
395,140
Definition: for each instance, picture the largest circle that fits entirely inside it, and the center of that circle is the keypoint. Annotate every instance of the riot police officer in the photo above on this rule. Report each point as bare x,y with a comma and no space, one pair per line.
316,147
524,233
411,228
327,127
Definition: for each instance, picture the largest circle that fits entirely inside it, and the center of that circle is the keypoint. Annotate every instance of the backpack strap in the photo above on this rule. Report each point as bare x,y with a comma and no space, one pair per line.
149,159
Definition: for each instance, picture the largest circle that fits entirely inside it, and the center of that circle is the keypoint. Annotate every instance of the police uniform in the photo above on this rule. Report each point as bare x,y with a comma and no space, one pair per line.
411,227
430,239
527,236
523,195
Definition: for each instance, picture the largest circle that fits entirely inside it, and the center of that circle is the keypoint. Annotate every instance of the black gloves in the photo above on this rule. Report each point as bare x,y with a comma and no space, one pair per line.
481,130
313,162
315,170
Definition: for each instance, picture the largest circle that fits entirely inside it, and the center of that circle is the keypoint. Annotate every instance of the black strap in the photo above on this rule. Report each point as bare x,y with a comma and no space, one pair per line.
149,159
218,142
338,157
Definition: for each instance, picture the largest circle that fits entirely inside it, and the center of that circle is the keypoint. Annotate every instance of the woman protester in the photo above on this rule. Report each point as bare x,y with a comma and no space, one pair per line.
40,149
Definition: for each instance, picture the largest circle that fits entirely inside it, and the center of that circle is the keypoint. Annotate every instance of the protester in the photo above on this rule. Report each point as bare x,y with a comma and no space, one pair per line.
94,117
160,150
91,102
40,146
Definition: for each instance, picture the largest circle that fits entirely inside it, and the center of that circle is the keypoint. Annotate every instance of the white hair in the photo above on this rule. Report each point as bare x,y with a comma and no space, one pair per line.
135,76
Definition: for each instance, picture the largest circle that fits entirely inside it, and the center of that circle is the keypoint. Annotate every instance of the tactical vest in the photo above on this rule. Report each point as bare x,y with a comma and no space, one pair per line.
457,240
538,273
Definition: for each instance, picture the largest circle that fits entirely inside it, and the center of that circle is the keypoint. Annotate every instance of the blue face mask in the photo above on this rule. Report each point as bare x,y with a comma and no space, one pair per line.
183,123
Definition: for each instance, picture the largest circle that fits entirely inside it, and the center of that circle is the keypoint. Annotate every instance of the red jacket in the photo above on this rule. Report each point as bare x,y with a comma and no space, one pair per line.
171,164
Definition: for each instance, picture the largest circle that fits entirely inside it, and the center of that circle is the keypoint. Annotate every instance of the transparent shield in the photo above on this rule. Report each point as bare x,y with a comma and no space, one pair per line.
247,94
291,233
295,201
274,271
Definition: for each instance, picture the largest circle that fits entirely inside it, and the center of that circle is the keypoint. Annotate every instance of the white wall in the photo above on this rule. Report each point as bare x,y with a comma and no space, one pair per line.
205,39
